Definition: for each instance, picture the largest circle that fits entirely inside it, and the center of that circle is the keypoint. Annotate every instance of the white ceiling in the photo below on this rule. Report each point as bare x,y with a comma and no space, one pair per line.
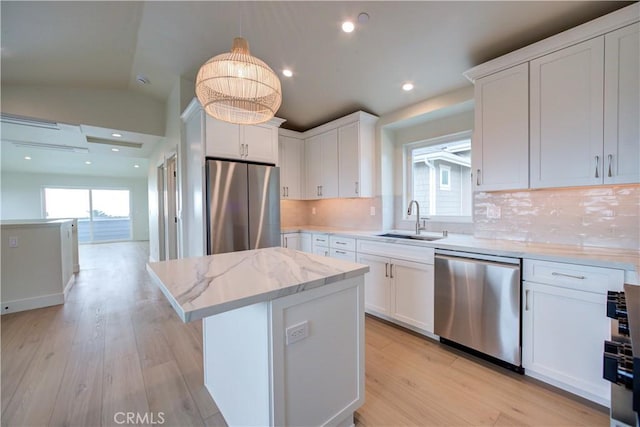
106,44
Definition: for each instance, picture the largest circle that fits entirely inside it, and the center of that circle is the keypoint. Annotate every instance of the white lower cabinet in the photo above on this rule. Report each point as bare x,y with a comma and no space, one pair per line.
399,289
564,325
291,241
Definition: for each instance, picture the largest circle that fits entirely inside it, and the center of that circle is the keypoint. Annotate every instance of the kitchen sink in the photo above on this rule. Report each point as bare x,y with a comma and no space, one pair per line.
410,236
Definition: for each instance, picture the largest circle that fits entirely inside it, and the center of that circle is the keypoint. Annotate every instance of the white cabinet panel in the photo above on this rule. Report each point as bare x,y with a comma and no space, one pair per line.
222,139
260,143
291,154
567,116
376,284
413,293
563,336
500,146
622,106
305,242
291,241
349,160
321,159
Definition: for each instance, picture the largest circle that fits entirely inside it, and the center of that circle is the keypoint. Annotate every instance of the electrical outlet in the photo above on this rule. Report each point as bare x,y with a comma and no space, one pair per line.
313,211
297,332
13,242
372,211
493,212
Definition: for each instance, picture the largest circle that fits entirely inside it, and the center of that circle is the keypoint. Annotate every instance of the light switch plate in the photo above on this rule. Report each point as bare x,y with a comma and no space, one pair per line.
372,211
13,242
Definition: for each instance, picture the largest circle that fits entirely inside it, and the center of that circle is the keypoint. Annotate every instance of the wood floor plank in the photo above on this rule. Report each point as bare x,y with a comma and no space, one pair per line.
123,388
79,400
168,393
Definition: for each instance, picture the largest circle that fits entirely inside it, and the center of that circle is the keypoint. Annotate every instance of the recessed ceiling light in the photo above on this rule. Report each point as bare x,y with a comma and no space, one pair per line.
347,26
136,166
87,162
115,149
287,72
407,87
27,158
116,135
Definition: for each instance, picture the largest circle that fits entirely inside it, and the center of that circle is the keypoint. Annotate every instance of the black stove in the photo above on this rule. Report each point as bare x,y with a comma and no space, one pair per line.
621,359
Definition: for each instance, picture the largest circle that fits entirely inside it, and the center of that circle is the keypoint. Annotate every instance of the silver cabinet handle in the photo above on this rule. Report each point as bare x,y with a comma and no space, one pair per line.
526,300
568,275
386,269
246,150
321,190
356,187
326,253
318,191
391,271
241,150
286,242
284,193
287,191
478,177
341,252
610,157
597,164
340,243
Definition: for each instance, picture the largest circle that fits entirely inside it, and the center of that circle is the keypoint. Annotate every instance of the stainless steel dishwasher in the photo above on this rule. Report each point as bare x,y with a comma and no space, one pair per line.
477,304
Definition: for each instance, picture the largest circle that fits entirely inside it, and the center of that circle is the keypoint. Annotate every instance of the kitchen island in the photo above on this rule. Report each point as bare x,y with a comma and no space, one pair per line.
283,333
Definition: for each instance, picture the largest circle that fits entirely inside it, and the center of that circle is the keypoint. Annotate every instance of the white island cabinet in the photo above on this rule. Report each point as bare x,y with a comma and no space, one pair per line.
283,333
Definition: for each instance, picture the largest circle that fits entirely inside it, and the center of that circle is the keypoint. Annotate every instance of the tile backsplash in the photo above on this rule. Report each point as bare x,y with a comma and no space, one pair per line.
606,216
340,213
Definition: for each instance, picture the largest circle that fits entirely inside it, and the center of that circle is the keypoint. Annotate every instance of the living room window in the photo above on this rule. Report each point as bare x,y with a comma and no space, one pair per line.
438,176
103,215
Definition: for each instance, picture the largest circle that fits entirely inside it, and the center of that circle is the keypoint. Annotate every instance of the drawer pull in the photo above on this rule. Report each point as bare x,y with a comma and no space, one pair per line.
341,252
340,243
391,271
526,300
386,269
568,275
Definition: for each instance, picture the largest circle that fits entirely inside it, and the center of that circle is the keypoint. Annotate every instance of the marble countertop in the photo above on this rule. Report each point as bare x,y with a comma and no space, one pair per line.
203,286
625,259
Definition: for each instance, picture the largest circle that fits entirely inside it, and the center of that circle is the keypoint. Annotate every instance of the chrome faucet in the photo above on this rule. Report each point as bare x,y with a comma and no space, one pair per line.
418,228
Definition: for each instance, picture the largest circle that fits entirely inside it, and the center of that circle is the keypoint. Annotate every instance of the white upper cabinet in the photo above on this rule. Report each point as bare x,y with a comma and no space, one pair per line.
257,143
291,154
356,147
321,153
566,116
500,144
622,106
583,109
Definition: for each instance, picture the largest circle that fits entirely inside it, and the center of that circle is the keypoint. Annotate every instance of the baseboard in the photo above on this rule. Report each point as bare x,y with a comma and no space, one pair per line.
76,268
68,286
31,303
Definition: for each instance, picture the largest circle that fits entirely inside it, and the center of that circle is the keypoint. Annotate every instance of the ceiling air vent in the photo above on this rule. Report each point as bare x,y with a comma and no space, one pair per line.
28,121
44,146
94,140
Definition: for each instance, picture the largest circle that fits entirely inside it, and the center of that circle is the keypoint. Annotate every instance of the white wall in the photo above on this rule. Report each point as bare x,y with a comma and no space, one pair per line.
21,196
114,109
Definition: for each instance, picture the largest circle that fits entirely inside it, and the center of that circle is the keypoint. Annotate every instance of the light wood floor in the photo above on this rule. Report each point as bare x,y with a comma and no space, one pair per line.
116,346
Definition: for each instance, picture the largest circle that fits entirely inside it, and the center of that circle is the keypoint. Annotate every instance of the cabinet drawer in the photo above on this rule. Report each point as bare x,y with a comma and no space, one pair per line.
320,239
573,276
345,255
420,254
342,243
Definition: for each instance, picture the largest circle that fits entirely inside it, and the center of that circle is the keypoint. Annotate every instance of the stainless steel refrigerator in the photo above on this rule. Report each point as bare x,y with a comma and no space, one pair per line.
243,206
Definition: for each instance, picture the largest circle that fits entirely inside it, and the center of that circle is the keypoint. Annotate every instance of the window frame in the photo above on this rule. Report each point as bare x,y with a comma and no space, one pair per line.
447,169
407,177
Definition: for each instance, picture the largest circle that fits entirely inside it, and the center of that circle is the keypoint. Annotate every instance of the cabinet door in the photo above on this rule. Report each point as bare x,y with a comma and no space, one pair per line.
305,242
412,293
563,331
313,162
261,143
501,140
291,150
567,116
223,139
329,184
291,241
376,284
349,160
622,106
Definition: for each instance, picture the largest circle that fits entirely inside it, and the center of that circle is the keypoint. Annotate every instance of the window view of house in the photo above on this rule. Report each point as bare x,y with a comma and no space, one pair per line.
439,176
103,215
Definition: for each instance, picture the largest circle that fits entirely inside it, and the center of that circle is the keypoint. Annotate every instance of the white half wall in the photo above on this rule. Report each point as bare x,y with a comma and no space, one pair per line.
21,195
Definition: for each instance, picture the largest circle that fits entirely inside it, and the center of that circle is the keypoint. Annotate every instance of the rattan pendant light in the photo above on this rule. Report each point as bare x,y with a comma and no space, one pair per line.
238,88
